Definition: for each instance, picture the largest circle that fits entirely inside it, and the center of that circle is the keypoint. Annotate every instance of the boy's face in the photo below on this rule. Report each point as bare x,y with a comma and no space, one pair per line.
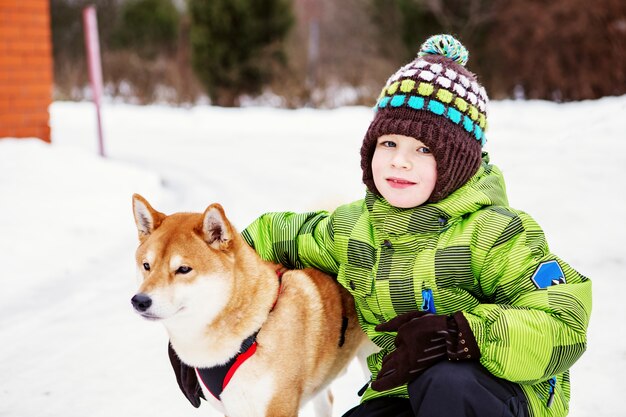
404,170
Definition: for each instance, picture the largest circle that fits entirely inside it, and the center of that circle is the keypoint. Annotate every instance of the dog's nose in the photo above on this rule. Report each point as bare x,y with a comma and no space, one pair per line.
141,302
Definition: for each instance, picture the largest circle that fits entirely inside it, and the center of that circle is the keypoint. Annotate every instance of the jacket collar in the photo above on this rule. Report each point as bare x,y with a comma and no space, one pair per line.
485,188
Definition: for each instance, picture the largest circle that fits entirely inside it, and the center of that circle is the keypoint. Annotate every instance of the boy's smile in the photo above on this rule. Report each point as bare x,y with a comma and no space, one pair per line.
404,170
399,182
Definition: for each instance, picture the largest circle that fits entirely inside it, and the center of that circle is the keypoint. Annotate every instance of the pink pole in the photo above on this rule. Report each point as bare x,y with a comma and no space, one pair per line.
92,45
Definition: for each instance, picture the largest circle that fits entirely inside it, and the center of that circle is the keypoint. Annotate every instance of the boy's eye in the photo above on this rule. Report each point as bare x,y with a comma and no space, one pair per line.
423,149
388,144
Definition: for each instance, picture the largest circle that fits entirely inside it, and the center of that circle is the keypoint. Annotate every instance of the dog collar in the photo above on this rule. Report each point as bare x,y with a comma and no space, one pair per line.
216,378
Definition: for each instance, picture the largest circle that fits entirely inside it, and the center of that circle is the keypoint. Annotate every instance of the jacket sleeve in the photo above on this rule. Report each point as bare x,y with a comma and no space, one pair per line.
295,240
534,323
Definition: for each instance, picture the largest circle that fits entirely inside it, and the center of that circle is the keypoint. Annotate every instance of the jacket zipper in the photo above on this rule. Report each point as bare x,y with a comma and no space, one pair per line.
429,302
552,382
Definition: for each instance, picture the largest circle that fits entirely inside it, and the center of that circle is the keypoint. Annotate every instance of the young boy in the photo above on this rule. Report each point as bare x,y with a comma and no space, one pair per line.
473,314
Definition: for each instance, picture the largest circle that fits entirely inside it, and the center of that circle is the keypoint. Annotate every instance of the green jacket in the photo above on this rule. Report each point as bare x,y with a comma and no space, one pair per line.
468,252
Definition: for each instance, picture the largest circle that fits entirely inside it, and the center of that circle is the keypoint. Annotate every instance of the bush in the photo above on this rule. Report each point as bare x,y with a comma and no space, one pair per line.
564,50
237,45
148,27
542,49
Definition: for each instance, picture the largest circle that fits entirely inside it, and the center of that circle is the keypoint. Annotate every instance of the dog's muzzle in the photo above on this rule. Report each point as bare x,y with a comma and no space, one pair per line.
141,302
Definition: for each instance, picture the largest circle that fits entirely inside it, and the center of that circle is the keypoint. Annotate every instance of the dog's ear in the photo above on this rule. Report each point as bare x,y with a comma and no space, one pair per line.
146,218
216,228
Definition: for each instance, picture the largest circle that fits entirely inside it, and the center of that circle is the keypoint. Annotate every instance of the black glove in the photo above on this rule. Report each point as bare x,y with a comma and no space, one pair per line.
423,339
186,378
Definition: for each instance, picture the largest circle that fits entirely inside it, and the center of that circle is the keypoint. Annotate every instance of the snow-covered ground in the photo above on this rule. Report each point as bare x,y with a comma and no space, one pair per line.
70,344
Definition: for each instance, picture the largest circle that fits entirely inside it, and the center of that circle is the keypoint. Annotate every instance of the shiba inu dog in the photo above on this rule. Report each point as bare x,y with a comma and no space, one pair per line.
282,341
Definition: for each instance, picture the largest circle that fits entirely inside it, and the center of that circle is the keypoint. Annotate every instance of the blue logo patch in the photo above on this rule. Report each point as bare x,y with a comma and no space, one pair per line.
548,274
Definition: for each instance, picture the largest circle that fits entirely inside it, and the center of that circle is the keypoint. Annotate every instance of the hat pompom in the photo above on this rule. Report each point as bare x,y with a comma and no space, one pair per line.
447,46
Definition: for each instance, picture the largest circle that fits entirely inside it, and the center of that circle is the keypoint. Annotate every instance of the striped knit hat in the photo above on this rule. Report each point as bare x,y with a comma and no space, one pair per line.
437,100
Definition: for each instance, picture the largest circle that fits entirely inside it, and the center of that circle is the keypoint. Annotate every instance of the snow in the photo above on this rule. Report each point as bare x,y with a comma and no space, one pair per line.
70,343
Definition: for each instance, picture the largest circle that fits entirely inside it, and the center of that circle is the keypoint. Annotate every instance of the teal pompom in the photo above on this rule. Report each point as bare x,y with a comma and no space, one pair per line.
445,45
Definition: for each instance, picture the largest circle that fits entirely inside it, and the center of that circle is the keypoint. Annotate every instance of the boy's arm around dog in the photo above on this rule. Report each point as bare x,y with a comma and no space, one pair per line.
527,331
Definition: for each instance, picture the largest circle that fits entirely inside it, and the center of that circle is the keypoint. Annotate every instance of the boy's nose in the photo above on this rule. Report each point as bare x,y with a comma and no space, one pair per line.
400,162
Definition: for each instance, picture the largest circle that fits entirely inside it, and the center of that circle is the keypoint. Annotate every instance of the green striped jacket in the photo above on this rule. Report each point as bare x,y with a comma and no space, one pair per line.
468,252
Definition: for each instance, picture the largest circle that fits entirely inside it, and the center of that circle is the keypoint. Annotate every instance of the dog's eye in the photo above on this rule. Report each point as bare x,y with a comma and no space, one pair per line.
146,266
183,270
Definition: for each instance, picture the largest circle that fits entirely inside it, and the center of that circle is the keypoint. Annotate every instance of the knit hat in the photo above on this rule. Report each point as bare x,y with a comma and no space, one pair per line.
437,100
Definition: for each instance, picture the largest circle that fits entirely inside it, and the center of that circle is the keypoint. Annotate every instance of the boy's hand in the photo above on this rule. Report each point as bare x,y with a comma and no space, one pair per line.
423,339
186,378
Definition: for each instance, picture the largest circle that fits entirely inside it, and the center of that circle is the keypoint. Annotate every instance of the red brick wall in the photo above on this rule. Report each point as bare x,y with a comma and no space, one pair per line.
25,68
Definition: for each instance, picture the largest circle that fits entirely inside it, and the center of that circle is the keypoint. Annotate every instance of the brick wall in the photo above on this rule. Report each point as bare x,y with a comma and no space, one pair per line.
25,68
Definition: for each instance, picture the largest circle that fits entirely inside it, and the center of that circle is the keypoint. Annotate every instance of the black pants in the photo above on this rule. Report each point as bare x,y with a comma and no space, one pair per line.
451,389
